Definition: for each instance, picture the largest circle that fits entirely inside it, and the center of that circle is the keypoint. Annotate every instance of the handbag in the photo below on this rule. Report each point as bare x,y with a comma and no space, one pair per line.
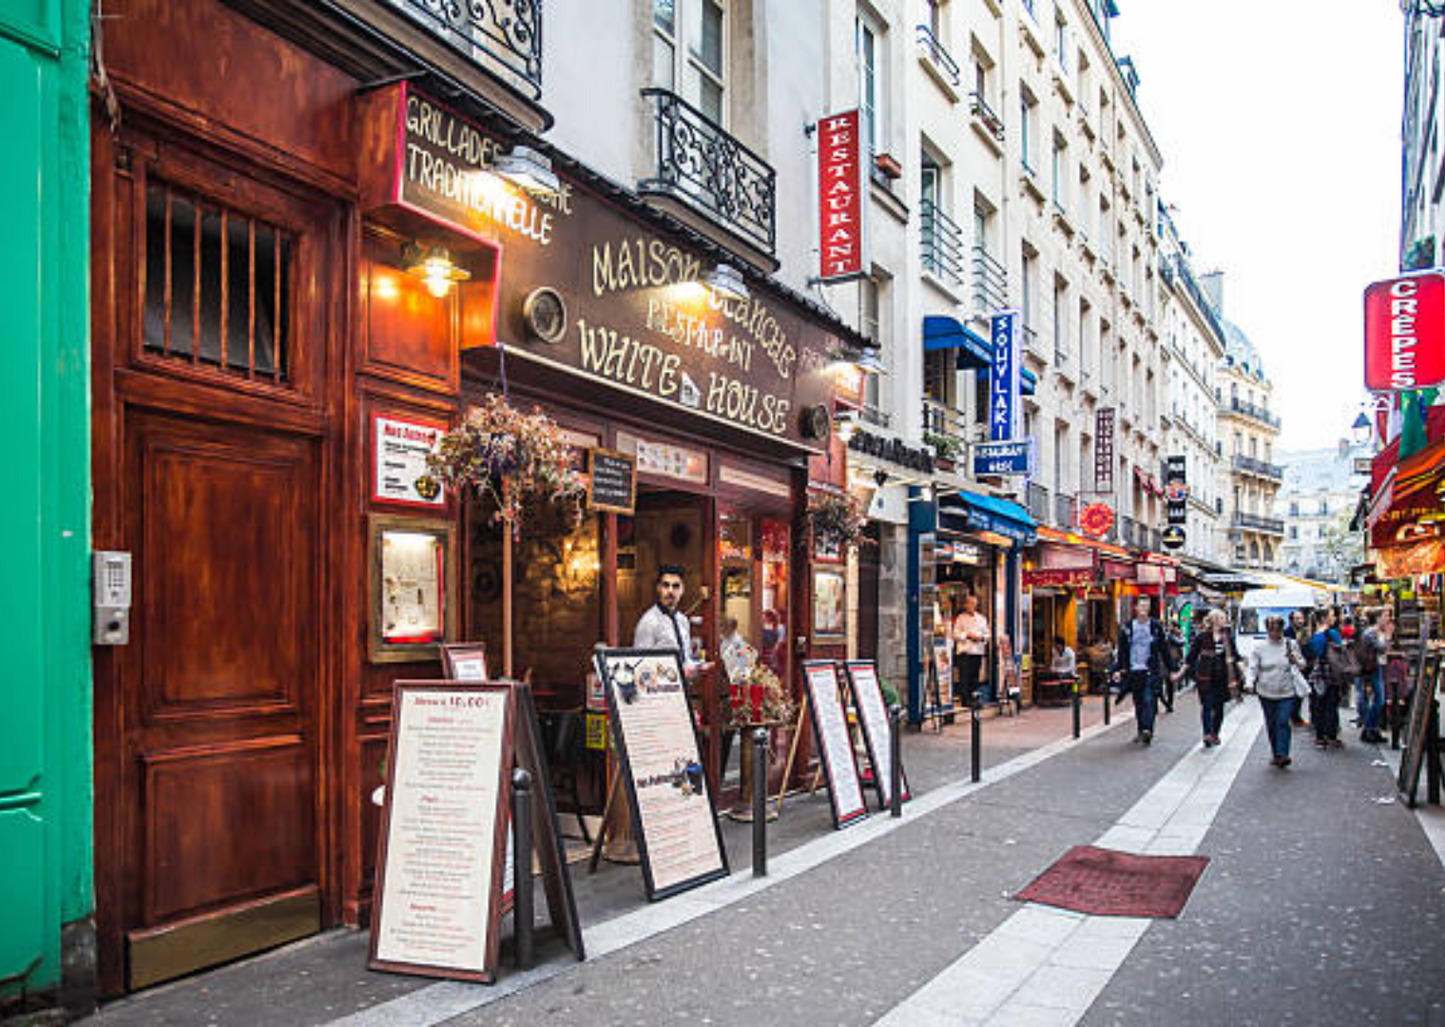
1296,676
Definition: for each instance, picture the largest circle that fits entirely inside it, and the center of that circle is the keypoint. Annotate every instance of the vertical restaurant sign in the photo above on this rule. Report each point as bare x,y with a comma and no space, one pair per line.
1405,332
1003,376
399,472
842,204
1176,489
631,308
1104,450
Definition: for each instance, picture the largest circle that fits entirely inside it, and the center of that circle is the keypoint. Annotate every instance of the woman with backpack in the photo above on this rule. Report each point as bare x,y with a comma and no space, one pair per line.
1213,665
1324,680
1370,648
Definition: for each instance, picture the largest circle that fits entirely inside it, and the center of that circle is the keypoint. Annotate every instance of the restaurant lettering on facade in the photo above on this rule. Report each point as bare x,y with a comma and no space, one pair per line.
638,316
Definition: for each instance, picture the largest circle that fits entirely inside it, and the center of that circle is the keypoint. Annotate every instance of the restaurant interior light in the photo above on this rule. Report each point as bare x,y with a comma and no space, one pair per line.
727,281
434,266
528,169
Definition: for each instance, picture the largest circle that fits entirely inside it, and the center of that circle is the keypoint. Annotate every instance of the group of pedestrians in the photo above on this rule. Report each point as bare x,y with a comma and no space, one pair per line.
1314,657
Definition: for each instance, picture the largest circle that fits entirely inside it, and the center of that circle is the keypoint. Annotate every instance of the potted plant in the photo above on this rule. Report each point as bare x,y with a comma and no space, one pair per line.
945,449
836,521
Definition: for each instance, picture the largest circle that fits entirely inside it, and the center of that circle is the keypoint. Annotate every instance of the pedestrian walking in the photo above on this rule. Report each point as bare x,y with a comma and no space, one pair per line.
1275,665
1174,639
1141,661
1324,684
1213,666
1370,647
1299,631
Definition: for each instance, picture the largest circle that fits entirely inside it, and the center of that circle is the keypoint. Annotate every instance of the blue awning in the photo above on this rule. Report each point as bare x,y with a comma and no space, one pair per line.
979,512
943,332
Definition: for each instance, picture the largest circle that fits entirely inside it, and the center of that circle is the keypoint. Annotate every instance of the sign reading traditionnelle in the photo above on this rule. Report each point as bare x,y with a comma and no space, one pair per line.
842,200
1003,400
1405,332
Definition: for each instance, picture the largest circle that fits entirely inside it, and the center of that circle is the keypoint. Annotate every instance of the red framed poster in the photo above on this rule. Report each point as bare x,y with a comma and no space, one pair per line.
399,474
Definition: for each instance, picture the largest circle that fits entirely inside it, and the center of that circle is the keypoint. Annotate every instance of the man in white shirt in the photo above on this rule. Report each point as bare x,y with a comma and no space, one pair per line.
970,642
663,626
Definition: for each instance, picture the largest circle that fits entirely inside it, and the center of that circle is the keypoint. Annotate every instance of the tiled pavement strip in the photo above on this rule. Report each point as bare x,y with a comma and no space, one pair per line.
1046,966
438,1003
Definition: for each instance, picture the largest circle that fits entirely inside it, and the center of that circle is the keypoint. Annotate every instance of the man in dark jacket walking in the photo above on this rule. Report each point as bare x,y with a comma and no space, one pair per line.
1142,660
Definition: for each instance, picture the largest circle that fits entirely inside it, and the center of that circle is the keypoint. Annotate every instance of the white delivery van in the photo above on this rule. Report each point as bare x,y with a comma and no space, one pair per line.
1259,605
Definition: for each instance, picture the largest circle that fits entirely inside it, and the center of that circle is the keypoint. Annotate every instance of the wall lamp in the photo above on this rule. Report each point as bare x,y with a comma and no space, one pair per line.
727,282
847,426
528,169
434,266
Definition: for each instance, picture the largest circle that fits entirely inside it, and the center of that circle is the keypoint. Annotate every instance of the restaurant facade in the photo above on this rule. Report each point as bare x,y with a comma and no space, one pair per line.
306,271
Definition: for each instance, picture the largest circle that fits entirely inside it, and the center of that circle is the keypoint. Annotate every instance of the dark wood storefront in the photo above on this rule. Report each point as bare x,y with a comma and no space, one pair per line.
251,321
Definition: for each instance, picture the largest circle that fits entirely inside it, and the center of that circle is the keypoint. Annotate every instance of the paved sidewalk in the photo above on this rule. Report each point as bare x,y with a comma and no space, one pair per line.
324,978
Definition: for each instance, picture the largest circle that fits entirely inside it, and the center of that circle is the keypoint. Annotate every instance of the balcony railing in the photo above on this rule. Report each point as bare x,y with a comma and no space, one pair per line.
946,430
699,163
1131,533
1259,413
1250,465
935,52
1040,509
1254,522
501,35
990,283
942,244
979,108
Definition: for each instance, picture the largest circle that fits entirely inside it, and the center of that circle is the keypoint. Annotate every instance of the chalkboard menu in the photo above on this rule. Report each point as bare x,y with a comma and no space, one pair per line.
873,718
443,839
835,742
678,838
613,481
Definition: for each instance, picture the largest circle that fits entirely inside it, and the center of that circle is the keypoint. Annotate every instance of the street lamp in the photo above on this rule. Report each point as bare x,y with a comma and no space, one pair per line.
1362,431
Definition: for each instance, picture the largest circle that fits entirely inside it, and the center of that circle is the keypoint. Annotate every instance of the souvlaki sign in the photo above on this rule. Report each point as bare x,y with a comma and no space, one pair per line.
1405,332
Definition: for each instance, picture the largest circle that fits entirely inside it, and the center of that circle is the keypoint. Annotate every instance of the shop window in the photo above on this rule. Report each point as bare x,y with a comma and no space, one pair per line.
217,285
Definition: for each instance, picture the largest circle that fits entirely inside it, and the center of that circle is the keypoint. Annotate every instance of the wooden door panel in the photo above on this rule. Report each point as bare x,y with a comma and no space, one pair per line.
227,562
227,823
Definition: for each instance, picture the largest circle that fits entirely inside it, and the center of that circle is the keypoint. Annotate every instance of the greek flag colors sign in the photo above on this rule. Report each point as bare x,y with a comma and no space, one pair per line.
1003,393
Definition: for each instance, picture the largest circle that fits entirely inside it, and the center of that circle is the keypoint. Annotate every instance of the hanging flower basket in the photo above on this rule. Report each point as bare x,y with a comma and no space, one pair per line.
509,456
836,520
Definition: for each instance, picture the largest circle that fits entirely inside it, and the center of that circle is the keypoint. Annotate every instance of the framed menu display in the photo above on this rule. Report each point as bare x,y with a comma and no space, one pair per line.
399,474
673,811
835,743
828,603
873,719
465,661
413,567
439,875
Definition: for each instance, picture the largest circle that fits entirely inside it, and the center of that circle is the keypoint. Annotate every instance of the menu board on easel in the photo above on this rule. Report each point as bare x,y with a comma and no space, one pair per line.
835,742
873,719
678,838
1417,724
439,876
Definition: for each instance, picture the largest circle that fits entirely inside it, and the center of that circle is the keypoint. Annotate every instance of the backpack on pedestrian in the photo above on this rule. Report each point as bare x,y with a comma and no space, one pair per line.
1343,663
1367,654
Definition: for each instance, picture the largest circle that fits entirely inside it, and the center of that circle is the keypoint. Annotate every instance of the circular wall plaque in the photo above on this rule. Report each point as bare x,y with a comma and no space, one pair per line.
813,421
546,314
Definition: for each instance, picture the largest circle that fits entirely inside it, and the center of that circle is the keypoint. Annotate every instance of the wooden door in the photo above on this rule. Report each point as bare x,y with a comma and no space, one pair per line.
219,694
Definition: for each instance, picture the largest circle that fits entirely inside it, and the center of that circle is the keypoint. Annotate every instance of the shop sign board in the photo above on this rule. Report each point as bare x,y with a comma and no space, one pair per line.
1104,450
1004,458
1060,577
465,661
628,301
835,742
1173,537
673,809
842,199
873,719
443,837
1003,375
611,481
1405,332
399,474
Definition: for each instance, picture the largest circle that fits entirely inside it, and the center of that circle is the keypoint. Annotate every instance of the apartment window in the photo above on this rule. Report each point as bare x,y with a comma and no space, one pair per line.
687,52
1028,107
1086,348
870,325
1027,271
1061,320
935,17
1060,165
1061,42
1061,442
870,81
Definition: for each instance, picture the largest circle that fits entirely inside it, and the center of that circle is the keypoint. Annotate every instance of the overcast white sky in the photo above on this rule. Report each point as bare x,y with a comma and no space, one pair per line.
1279,125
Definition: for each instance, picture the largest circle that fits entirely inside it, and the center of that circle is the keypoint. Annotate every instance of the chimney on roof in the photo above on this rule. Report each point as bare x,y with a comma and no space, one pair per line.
1212,282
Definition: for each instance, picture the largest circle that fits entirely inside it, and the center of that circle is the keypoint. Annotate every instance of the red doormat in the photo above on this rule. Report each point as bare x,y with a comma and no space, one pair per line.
1102,882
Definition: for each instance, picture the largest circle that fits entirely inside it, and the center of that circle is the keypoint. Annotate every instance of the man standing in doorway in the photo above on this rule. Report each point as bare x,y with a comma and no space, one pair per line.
1142,661
664,626
970,641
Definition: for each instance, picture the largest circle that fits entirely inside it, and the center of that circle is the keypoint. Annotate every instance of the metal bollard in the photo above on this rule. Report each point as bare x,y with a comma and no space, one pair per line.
895,762
522,867
976,734
1077,709
760,802
1108,699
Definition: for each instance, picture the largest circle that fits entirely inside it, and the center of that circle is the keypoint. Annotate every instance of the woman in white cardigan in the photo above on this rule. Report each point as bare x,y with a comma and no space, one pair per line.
1270,669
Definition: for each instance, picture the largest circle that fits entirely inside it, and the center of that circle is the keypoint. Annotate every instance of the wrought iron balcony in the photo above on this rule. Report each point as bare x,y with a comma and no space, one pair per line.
979,108
946,430
942,244
1040,509
501,35
1254,522
1238,406
1250,465
934,51
990,283
701,165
